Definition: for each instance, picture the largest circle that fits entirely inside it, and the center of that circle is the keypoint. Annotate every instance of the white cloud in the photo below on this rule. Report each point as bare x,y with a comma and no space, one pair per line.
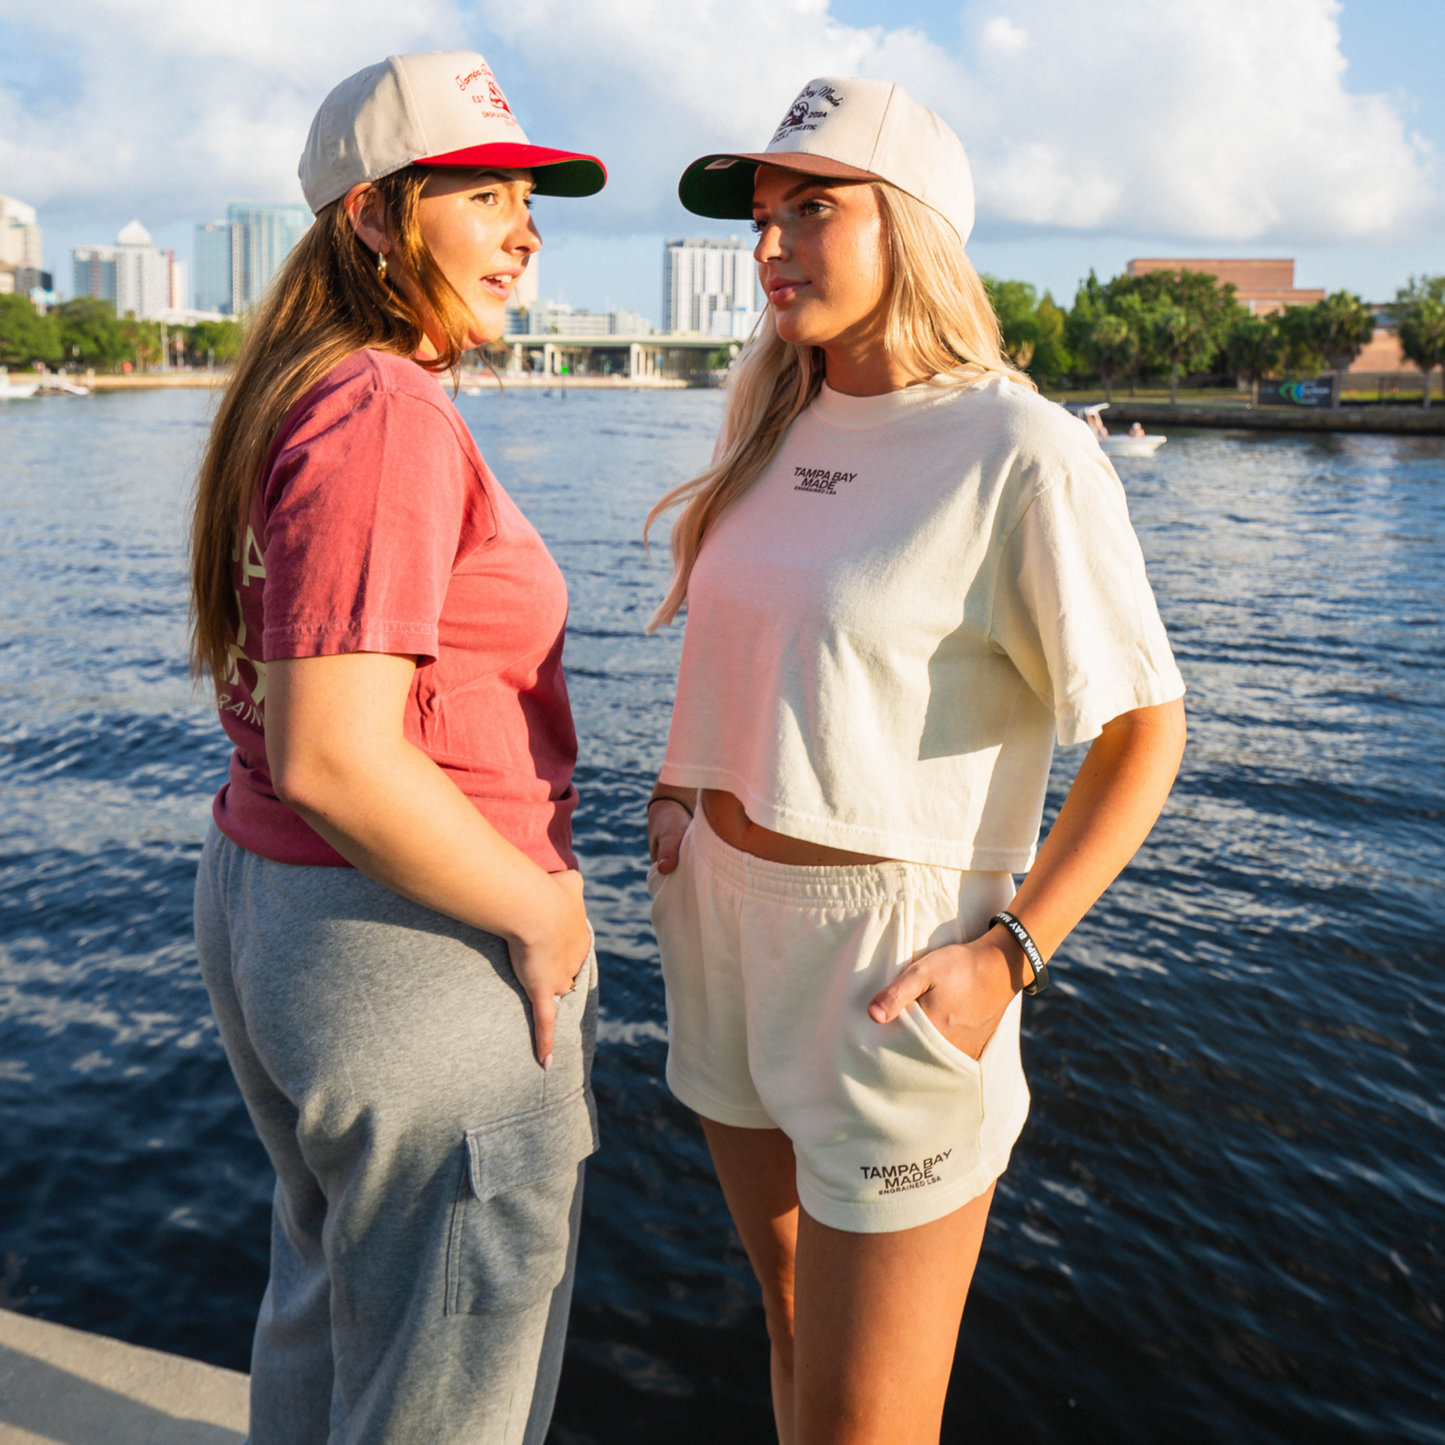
1198,120
1215,120
1003,35
1204,120
166,108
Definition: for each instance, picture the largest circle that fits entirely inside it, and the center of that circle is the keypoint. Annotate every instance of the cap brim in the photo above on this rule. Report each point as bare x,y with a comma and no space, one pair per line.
722,186
554,173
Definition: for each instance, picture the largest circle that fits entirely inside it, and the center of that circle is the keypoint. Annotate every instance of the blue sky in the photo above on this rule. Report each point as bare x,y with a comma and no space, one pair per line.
1098,129
1392,47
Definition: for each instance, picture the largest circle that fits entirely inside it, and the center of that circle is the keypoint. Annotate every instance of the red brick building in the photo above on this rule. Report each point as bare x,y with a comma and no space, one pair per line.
1263,286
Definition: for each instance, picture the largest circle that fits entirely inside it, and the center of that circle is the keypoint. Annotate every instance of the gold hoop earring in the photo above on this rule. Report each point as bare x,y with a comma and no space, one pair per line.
381,265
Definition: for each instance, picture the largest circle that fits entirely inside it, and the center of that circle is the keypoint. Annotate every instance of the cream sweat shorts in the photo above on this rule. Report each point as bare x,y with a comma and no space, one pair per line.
769,970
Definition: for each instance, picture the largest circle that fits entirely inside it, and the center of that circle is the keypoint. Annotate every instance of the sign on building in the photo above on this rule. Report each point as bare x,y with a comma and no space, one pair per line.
1297,393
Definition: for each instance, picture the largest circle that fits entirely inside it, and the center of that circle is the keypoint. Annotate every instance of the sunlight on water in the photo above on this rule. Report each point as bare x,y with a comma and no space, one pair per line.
1224,1218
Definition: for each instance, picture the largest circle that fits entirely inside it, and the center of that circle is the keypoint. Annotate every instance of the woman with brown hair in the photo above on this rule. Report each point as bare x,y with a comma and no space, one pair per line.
905,574
388,913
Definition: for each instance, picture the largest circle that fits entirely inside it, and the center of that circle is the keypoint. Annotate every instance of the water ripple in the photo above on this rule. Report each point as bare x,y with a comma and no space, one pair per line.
1224,1220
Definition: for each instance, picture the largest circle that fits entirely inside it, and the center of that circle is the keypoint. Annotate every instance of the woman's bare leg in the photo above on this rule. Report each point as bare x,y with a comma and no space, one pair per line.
876,1323
758,1175
863,1326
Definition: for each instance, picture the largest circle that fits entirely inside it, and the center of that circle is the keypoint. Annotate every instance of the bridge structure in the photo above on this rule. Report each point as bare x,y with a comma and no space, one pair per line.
658,354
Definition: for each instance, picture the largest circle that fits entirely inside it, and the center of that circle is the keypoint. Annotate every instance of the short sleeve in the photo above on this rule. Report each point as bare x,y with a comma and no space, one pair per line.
1073,609
363,523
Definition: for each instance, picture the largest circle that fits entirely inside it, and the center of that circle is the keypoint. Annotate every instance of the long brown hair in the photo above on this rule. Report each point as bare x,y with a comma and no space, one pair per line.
939,323
326,303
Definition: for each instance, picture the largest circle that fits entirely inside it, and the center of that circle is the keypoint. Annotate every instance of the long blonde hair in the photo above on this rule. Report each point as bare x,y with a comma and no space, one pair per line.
940,325
325,304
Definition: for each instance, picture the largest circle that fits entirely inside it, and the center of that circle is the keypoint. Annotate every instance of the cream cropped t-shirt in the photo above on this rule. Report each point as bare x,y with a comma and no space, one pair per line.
887,630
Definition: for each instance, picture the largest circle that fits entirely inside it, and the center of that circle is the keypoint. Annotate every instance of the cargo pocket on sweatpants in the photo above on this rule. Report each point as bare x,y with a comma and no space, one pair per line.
511,1226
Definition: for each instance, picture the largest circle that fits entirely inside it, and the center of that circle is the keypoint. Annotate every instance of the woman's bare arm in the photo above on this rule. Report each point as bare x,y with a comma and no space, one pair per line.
337,754
1115,799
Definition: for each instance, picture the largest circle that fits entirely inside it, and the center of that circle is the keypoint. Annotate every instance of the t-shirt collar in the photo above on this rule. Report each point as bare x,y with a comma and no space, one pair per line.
867,411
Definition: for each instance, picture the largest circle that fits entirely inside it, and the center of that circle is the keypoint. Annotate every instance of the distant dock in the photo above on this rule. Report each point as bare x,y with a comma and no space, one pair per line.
1396,420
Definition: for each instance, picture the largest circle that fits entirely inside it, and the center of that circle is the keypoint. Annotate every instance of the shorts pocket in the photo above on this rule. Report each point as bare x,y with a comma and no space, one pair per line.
939,1042
915,1016
511,1224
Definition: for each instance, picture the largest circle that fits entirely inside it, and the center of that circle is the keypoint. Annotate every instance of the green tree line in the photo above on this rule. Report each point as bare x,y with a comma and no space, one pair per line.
1167,323
86,333
1179,324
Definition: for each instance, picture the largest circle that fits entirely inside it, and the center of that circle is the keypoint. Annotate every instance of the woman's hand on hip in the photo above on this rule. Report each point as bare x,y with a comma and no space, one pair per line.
964,989
549,959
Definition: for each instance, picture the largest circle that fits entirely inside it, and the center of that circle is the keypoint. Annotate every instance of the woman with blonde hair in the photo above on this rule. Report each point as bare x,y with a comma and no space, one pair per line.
905,573
388,913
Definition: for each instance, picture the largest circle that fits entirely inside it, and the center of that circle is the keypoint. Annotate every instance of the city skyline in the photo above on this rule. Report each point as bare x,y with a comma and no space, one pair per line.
1301,128
237,257
133,274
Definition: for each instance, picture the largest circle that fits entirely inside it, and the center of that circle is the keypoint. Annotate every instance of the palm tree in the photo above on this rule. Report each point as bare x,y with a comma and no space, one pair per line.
1299,350
1422,337
1130,308
1254,349
1182,342
1110,348
1342,324
1420,307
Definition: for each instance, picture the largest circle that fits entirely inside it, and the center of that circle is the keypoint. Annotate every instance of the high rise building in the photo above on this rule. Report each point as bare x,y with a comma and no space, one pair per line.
177,288
262,236
236,258
709,287
213,268
133,275
93,272
525,292
522,299
19,234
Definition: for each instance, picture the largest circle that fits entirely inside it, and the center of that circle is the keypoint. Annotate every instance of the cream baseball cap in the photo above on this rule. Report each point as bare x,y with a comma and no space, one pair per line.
863,130
440,109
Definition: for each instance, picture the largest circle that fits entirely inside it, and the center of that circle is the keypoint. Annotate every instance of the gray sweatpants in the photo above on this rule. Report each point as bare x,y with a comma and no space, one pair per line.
428,1173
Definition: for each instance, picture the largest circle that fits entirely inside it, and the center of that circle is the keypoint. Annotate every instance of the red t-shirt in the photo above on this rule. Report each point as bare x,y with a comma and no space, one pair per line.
378,528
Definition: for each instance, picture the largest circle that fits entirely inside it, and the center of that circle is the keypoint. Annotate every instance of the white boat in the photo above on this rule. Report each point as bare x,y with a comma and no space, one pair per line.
59,386
1127,446
14,390
1121,444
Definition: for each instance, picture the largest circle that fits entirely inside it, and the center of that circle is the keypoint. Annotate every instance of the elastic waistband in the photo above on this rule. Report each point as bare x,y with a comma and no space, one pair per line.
858,885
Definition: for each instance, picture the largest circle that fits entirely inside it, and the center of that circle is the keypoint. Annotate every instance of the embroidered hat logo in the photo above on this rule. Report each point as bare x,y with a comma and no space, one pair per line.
493,97
801,115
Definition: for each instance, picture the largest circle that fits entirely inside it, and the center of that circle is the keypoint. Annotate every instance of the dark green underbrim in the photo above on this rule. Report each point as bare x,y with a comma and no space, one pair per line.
726,194
574,178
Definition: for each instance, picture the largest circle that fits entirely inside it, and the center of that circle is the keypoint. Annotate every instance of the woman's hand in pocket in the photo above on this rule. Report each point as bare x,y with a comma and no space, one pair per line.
964,989
548,961
667,820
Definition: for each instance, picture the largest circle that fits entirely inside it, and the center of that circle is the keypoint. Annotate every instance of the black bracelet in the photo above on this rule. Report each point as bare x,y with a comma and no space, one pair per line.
666,799
1031,951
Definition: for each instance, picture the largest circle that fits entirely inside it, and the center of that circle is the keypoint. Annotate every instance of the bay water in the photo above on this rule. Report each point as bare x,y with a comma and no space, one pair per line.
1225,1219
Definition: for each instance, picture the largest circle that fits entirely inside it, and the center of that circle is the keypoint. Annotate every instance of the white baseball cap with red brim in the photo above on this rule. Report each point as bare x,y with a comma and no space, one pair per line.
845,129
440,109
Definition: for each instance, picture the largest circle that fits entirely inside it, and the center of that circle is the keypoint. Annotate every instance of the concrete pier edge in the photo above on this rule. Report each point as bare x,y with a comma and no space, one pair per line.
60,1386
